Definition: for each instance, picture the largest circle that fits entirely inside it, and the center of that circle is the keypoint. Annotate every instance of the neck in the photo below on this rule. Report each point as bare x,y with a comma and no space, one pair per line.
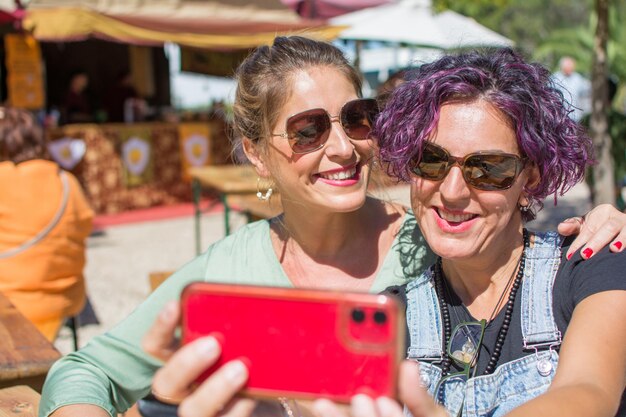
322,235
480,281
337,250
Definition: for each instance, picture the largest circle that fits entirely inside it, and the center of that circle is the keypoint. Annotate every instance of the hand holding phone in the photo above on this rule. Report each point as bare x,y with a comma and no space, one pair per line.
300,343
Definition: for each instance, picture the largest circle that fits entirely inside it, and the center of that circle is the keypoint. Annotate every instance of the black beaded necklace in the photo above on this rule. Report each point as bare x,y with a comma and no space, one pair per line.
504,328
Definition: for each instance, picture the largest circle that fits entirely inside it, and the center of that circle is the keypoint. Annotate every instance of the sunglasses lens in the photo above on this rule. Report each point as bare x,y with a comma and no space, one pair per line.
434,163
308,131
358,116
490,172
465,343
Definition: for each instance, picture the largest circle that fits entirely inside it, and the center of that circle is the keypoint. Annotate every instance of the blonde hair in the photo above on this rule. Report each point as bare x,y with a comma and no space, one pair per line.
263,81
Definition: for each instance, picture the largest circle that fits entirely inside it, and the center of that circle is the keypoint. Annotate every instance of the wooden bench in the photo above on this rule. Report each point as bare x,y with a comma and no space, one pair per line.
19,401
25,354
156,278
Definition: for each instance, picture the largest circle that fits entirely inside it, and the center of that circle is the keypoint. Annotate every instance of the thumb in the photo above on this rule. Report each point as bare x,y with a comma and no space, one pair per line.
160,340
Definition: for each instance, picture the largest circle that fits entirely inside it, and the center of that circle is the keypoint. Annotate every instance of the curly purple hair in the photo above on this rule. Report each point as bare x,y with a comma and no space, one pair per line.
523,92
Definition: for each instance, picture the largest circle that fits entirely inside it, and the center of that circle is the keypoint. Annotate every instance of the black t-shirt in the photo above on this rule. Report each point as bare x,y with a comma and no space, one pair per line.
575,280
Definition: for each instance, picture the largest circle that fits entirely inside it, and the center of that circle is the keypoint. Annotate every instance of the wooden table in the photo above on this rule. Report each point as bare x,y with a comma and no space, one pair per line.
20,400
25,354
254,208
226,180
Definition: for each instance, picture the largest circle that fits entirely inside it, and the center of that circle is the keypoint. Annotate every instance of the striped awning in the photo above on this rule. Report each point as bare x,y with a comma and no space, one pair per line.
208,24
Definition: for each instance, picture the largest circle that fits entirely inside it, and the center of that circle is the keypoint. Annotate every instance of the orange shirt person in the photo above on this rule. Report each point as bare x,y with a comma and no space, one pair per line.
44,222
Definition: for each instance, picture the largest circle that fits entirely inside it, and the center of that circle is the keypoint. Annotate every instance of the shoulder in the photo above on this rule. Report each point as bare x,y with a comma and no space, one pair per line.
248,237
246,256
581,278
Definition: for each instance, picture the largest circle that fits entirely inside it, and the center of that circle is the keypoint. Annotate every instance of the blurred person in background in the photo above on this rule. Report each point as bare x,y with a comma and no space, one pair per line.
575,88
44,222
76,104
123,103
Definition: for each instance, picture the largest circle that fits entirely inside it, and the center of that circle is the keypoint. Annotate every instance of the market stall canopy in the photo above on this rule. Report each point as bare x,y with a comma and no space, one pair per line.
413,22
203,24
325,9
9,12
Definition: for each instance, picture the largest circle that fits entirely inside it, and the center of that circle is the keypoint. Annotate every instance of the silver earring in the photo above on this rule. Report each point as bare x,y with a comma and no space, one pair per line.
262,196
524,209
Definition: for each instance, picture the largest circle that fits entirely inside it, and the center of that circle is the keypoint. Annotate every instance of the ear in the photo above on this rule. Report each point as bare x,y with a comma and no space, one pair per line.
533,177
256,157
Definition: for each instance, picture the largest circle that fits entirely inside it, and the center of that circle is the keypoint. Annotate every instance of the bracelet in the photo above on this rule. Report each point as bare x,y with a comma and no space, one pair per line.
165,399
287,410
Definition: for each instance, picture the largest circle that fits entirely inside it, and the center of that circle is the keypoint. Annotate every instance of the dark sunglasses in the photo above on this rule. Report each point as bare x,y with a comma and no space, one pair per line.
308,131
482,170
463,348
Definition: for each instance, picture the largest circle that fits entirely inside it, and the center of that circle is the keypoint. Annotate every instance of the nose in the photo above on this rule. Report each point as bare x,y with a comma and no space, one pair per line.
453,187
339,144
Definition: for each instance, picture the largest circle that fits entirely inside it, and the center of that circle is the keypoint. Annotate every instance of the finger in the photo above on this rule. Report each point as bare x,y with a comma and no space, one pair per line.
214,395
239,407
172,383
305,407
598,234
413,395
160,340
327,408
603,225
605,235
388,407
571,226
363,406
618,243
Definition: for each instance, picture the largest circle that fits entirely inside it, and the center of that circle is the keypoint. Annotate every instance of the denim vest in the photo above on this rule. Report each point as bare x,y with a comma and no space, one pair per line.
512,383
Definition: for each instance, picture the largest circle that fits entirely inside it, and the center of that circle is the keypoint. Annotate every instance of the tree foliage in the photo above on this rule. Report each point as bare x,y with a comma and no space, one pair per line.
527,22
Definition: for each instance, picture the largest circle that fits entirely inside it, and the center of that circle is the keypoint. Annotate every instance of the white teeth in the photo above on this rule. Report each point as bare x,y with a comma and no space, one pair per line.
342,175
455,218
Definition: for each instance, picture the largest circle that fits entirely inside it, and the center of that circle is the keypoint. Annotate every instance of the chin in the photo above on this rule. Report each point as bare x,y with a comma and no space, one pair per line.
449,246
346,203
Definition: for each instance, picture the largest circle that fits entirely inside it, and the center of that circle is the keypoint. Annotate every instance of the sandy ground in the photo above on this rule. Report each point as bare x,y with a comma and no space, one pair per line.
120,259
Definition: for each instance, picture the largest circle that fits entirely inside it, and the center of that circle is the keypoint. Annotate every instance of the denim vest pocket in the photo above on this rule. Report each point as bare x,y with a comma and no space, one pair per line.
512,384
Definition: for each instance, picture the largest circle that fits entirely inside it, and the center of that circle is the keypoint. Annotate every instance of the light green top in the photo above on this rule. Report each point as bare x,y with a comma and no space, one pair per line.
113,372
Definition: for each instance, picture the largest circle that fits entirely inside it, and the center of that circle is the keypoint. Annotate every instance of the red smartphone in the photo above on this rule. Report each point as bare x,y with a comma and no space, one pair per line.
300,343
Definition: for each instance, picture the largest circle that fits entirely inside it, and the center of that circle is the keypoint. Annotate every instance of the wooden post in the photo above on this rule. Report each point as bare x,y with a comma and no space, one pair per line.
603,172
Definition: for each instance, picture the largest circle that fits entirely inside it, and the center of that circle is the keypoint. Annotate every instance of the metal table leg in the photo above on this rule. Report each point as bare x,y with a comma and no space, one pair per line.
226,214
196,193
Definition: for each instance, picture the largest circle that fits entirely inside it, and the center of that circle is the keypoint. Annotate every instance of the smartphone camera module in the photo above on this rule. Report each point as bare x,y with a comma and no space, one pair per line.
380,317
358,315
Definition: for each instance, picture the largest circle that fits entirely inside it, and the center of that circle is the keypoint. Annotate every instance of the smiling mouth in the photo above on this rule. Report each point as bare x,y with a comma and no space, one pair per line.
339,175
454,217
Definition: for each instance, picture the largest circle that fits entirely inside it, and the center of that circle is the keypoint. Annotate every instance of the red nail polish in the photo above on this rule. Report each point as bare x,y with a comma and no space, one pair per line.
618,245
569,256
588,252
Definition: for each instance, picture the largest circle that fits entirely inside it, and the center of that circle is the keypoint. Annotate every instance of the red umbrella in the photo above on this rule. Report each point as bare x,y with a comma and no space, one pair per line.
325,9
10,16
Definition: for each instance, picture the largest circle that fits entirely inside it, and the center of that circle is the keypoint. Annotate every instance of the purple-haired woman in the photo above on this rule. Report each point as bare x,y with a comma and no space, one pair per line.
501,324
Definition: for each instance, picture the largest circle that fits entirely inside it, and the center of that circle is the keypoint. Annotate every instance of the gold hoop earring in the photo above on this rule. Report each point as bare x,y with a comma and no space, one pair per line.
262,196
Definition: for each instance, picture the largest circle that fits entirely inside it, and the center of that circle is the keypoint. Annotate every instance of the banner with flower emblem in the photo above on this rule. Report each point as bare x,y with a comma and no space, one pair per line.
67,152
136,156
195,146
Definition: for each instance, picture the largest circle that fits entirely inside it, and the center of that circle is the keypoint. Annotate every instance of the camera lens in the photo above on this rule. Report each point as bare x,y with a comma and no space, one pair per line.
358,315
380,317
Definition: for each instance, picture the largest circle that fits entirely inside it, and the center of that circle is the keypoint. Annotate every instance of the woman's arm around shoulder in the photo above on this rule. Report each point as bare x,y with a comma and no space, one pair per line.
591,375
